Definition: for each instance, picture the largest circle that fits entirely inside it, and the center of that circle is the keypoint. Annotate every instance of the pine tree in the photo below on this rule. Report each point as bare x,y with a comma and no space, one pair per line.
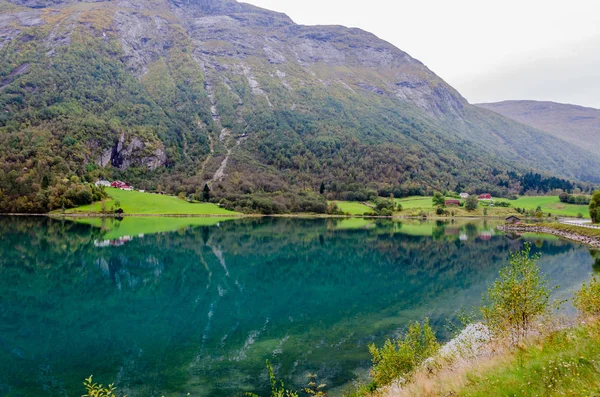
206,193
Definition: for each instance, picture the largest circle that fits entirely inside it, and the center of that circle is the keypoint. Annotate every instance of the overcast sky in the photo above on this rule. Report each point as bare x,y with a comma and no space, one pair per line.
488,50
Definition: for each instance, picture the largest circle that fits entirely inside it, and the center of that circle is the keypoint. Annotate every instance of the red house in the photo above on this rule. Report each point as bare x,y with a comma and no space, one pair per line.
452,203
120,185
486,196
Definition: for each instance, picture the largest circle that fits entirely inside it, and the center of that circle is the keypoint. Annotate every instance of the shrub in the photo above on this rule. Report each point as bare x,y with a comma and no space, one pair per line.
438,199
96,390
471,203
587,299
517,298
399,358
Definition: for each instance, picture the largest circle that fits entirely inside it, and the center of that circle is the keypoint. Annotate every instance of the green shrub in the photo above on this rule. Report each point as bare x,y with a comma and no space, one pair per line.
587,299
471,203
98,390
399,358
517,298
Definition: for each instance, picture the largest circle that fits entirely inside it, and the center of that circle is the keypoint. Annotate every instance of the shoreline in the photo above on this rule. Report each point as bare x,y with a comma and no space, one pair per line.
591,241
239,215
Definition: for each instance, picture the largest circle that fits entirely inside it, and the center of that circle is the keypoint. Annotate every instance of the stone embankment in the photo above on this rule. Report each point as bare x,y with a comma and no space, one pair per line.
569,235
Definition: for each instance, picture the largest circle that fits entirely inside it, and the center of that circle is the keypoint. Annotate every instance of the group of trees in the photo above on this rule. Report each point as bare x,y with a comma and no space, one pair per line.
574,199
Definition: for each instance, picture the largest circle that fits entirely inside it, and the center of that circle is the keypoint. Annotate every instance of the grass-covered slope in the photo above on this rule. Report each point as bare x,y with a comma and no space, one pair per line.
133,202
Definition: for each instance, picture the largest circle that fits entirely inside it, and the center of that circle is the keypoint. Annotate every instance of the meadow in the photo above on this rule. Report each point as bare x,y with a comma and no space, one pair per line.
549,204
134,202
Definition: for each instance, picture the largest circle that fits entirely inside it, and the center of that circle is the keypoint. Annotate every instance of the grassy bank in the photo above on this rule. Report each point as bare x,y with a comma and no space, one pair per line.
563,363
133,202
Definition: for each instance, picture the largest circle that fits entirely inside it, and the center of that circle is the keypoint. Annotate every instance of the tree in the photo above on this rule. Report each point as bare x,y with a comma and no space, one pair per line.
471,203
517,298
206,193
438,199
322,188
595,207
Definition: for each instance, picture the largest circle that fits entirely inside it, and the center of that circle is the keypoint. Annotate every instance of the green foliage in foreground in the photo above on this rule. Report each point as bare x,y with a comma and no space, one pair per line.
398,359
99,390
587,299
518,297
564,363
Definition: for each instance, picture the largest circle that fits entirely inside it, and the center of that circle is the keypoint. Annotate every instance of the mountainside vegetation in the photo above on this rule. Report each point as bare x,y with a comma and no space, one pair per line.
174,95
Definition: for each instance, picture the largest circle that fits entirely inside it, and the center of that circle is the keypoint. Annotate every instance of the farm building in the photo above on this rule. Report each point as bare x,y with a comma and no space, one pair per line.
485,196
464,195
513,219
121,185
103,183
450,203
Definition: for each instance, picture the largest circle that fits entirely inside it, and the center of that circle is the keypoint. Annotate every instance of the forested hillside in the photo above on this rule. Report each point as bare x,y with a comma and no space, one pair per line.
171,95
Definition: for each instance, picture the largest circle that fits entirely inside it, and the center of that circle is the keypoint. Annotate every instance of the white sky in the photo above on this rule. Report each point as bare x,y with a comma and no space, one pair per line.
488,50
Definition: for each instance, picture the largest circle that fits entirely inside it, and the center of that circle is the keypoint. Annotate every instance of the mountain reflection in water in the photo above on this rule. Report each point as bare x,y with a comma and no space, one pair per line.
196,306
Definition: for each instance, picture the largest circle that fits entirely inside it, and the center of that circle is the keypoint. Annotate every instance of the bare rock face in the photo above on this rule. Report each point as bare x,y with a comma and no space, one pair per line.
124,154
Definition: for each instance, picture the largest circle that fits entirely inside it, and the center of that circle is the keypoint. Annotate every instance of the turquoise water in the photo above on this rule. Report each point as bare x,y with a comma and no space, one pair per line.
198,309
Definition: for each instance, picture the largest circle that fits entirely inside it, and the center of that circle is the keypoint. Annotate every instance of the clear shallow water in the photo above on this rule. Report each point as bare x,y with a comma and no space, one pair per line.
198,308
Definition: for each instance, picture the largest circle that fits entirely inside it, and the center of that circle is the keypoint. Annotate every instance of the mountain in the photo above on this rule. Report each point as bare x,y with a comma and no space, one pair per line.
576,124
172,94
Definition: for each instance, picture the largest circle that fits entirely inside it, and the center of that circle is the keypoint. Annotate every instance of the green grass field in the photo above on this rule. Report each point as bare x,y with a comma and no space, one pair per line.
352,207
134,226
133,202
549,204
416,202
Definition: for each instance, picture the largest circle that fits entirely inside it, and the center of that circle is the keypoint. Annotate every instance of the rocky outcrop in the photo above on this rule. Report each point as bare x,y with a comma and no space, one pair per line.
135,152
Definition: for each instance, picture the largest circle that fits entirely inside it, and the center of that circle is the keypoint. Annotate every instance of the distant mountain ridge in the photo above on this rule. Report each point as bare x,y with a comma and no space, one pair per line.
173,94
576,124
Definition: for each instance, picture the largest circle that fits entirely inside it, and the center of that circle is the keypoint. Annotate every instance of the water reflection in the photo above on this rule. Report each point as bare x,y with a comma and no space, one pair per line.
197,305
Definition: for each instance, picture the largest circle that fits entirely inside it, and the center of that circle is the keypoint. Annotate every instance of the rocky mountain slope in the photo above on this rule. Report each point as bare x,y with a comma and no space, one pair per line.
576,124
173,94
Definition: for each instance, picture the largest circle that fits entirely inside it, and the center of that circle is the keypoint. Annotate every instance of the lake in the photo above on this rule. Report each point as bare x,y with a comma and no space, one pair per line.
170,306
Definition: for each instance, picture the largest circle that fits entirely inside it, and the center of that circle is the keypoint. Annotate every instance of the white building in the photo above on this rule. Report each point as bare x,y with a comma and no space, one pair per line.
103,183
464,195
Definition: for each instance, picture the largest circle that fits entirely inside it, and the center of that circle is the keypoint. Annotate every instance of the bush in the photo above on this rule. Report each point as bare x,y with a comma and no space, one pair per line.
399,358
471,203
517,298
587,299
96,390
